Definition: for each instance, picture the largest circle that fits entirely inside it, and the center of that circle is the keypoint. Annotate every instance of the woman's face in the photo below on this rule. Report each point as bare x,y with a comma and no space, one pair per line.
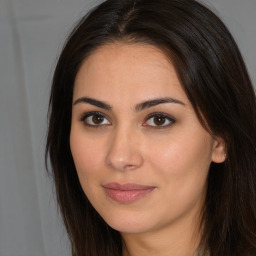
141,155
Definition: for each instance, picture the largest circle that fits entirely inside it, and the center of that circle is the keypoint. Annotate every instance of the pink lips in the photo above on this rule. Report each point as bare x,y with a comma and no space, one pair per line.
127,193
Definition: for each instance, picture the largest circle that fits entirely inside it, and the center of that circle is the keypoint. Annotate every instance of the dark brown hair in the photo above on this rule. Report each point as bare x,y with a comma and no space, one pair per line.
215,80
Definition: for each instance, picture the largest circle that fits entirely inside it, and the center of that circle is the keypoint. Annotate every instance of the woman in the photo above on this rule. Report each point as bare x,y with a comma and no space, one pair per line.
152,133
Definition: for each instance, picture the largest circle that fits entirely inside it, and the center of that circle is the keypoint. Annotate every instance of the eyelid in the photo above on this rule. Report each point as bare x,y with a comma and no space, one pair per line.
161,114
151,115
91,113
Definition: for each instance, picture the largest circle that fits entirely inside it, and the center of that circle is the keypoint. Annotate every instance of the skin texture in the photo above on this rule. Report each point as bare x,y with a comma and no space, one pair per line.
129,146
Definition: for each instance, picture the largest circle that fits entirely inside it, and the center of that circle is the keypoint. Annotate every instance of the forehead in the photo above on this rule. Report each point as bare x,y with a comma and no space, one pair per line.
134,69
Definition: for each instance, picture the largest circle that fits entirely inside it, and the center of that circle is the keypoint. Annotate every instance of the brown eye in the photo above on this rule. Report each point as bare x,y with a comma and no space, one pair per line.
95,119
159,120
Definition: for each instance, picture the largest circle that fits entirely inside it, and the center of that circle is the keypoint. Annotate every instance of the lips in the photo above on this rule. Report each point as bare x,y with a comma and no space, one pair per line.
127,193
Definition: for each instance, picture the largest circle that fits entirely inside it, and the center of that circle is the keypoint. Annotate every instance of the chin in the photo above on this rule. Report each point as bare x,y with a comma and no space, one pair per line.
129,227
129,223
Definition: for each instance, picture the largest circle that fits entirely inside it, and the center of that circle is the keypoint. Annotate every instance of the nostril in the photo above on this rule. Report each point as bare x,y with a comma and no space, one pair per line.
129,167
123,152
124,161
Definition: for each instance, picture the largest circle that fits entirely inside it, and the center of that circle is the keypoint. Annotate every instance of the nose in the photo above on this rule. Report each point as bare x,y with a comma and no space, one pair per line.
124,151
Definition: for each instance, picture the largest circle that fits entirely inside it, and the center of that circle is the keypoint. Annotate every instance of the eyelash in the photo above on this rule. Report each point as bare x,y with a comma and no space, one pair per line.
92,114
166,118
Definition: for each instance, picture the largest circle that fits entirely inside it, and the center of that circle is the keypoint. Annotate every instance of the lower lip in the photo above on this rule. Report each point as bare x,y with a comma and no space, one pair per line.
127,196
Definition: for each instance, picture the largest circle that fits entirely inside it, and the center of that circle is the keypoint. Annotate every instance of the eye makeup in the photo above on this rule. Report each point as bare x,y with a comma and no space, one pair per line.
94,119
157,120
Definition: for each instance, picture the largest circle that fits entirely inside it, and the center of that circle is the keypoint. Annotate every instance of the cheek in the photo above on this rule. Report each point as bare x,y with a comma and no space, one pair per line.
86,155
180,154
182,163
182,168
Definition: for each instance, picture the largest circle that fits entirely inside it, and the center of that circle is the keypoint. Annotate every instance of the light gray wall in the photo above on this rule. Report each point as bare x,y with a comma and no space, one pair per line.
31,35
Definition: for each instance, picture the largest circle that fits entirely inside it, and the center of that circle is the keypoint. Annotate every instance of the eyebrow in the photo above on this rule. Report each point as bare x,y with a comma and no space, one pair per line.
94,102
139,107
155,102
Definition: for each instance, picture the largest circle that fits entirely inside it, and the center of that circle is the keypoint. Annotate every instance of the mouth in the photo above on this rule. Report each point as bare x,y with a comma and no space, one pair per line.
127,193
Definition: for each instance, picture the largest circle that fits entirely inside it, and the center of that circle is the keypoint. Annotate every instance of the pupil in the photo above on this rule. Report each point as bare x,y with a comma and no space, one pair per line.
97,119
158,120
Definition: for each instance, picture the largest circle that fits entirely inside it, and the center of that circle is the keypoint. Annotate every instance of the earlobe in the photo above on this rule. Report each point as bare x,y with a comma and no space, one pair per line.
219,150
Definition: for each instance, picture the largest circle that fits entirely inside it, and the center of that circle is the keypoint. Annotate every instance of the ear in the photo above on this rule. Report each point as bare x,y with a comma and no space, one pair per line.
218,150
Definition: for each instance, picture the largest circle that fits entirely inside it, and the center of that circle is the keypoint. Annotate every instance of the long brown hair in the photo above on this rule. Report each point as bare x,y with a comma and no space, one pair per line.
215,80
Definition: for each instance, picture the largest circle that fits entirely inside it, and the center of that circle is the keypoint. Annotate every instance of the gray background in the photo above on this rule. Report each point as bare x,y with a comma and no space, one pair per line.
31,35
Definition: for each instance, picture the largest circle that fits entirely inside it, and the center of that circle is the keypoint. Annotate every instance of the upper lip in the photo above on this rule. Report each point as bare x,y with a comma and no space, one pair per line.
127,186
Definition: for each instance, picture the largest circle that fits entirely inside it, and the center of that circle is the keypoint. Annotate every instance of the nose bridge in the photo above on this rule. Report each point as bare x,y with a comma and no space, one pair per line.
124,151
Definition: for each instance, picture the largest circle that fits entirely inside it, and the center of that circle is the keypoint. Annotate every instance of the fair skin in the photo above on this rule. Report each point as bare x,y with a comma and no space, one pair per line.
142,166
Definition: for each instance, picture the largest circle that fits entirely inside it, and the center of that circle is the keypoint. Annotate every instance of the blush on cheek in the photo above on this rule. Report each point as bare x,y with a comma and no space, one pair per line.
85,161
168,159
83,155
